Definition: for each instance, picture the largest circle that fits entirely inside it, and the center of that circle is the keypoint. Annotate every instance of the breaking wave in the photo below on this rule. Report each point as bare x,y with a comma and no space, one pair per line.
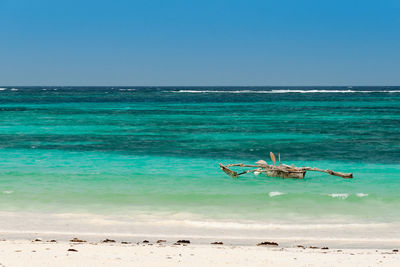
341,196
274,194
314,196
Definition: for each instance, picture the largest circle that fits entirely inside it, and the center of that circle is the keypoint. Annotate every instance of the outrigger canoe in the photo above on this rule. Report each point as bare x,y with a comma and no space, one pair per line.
281,170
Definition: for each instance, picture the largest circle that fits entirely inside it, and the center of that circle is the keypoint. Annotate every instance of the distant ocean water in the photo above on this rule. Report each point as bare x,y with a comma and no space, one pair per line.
149,150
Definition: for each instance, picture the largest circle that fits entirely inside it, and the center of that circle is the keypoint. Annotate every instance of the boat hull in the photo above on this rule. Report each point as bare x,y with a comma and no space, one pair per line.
283,174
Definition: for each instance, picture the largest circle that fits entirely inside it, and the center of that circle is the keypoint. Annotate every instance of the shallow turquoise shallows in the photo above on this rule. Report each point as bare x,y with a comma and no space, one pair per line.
128,150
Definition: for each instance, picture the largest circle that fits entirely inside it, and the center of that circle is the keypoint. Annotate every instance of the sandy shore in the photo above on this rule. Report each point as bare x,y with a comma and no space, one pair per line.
62,253
25,241
135,228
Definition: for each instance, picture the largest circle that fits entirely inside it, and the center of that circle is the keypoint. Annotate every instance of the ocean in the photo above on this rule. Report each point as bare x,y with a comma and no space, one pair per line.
154,151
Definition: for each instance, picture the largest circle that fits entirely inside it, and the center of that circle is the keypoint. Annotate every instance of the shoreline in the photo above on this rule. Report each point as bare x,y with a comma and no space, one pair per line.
286,242
91,227
64,253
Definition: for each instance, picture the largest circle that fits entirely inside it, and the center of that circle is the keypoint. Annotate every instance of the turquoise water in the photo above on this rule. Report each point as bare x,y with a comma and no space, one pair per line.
130,150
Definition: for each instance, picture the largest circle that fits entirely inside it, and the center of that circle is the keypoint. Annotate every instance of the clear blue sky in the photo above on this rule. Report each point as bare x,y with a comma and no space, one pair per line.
148,42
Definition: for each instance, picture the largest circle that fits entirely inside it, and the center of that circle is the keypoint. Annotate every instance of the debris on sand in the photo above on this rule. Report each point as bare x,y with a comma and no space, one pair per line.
108,241
183,242
77,240
267,243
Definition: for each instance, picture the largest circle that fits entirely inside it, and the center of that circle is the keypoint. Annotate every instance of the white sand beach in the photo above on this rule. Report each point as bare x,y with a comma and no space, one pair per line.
45,239
45,253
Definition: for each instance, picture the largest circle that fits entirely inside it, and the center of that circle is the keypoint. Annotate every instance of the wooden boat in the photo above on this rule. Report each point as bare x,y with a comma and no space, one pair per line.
281,170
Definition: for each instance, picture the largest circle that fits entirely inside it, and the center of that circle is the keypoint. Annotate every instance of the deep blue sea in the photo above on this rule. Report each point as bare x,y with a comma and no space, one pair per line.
129,150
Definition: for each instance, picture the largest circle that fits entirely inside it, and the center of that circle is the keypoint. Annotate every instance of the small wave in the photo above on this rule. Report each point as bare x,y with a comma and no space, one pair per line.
129,89
14,89
2,89
8,192
361,195
280,91
341,196
274,194
220,91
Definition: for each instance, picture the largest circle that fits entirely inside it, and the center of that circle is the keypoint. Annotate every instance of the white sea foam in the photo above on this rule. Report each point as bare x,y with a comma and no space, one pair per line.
14,89
129,89
2,89
283,91
8,192
274,194
341,196
361,195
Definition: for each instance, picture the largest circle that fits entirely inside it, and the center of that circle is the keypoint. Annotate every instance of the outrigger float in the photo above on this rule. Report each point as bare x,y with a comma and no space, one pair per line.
281,170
